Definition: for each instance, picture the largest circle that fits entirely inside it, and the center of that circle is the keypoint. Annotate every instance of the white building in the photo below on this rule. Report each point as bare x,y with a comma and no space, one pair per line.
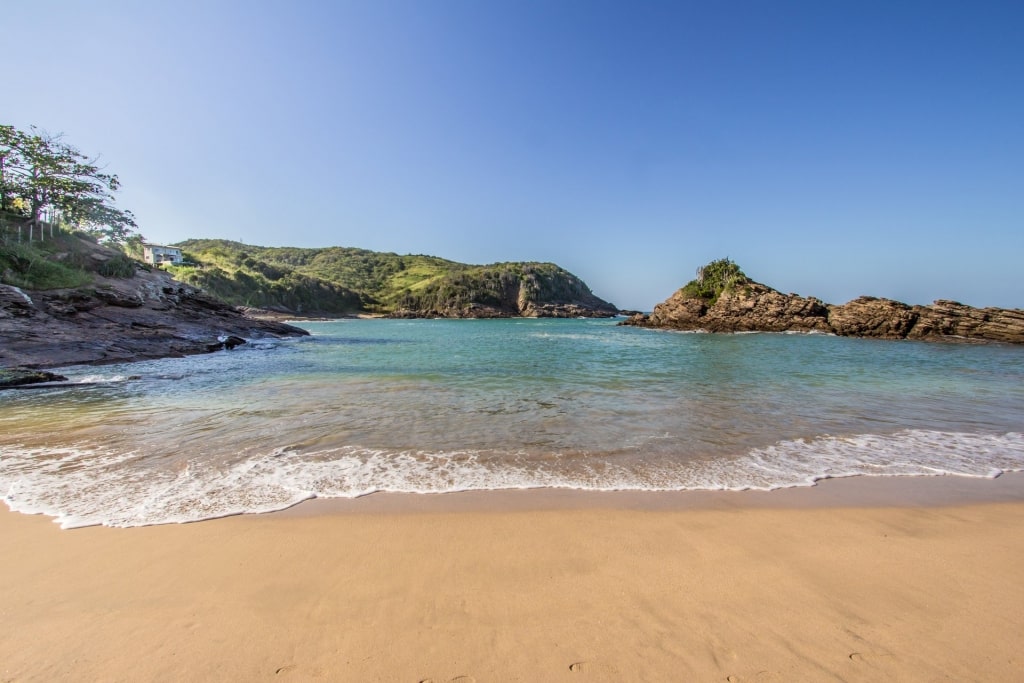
157,253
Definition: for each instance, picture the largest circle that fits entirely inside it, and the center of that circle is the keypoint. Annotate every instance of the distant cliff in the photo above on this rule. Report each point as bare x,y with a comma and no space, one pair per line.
344,280
533,290
723,299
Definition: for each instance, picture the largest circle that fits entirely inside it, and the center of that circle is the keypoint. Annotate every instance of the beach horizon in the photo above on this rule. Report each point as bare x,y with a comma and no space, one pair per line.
858,579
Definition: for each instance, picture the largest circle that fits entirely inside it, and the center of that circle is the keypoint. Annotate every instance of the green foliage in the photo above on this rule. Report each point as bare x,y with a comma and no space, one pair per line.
714,279
32,266
508,286
366,280
244,281
43,176
119,265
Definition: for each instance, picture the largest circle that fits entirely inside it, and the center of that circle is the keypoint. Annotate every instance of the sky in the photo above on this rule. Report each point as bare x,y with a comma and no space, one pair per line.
831,148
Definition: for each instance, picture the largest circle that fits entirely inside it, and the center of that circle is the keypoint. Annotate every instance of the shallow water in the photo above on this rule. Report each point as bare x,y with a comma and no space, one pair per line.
445,405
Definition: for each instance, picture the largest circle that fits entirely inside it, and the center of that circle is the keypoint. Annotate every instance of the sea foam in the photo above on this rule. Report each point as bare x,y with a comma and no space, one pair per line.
91,486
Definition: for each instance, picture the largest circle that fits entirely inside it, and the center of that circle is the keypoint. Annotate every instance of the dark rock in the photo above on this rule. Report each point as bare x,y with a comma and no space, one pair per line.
226,343
146,316
112,297
15,303
750,306
15,377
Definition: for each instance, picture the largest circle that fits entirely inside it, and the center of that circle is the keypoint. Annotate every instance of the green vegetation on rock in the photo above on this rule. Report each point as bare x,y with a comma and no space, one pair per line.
64,261
715,279
339,280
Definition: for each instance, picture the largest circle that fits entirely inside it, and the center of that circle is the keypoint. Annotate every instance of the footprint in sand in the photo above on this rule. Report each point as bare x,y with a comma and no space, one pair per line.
592,668
759,676
866,657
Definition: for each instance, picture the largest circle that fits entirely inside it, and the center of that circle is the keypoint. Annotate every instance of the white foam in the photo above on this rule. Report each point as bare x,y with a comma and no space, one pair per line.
90,485
97,379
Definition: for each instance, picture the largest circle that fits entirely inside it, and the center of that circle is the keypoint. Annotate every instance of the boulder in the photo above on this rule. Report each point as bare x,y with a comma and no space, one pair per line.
870,317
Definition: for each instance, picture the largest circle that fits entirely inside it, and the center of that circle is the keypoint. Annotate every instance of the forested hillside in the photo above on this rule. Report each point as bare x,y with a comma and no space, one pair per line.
343,280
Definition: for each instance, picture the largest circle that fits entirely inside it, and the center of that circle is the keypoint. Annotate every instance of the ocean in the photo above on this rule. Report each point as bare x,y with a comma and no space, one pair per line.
435,406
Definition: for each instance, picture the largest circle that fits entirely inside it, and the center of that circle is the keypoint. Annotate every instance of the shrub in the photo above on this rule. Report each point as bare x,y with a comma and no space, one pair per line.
25,266
715,279
120,266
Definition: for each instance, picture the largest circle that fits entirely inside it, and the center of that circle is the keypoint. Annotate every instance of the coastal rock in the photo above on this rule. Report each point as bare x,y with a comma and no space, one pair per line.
732,302
149,315
15,303
750,307
226,343
950,319
17,377
870,317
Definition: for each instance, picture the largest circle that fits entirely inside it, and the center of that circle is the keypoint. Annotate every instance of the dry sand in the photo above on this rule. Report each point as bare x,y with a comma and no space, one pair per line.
533,587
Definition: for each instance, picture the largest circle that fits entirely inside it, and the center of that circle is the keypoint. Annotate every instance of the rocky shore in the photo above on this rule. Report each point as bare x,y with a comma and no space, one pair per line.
738,304
117,320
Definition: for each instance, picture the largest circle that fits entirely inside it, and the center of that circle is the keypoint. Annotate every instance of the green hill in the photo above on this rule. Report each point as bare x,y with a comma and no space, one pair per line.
344,280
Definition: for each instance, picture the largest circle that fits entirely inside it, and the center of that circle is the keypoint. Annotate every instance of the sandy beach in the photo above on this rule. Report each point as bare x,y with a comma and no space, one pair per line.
858,580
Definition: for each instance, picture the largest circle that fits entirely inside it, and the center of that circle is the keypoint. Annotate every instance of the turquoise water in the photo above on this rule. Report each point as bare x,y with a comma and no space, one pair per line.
432,406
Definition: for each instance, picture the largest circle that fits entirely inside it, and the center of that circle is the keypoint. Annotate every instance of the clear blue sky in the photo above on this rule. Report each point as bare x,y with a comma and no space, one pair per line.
832,148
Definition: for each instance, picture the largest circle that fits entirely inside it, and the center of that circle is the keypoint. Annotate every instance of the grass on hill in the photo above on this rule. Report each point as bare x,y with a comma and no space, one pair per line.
63,261
346,280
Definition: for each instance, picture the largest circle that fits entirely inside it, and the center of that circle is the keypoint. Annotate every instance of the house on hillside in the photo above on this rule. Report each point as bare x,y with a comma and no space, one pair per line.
157,254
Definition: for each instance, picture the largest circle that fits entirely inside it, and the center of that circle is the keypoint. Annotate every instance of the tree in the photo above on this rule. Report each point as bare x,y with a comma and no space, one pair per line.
11,141
47,173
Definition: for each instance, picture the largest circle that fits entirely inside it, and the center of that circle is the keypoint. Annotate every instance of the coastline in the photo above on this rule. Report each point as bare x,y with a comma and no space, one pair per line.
876,579
839,492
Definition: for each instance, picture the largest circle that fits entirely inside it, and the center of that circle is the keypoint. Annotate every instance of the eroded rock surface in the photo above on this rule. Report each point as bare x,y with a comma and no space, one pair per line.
751,306
116,320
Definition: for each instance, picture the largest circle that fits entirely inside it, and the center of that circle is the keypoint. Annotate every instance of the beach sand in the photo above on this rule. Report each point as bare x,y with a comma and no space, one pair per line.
865,580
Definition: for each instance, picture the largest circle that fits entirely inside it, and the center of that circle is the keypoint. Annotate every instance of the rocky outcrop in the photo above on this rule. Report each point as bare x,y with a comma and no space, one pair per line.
510,290
20,377
750,307
950,319
115,320
747,306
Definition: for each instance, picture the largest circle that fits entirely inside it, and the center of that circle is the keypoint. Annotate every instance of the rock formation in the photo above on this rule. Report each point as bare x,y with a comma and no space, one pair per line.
530,290
735,303
111,320
335,281
20,377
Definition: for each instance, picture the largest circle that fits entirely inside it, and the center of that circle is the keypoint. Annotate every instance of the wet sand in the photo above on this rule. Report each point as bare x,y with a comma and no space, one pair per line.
854,580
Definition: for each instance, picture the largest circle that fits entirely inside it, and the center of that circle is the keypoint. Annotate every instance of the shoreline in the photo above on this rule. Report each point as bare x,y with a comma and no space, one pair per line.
745,586
838,492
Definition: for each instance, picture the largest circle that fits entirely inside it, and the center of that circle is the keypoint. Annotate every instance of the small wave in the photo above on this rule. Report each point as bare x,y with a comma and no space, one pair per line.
92,486
100,379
